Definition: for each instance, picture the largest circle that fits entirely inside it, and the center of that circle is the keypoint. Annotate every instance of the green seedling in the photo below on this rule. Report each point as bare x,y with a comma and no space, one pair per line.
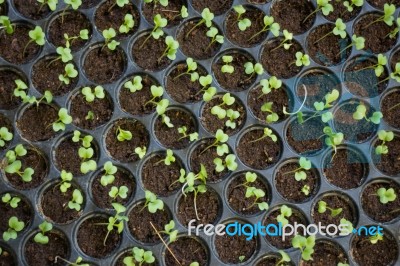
272,116
123,135
323,206
387,17
171,50
164,3
89,116
352,3
338,30
286,42
109,41
333,139
41,237
109,171
207,17
361,113
169,230
64,54
347,224
66,179
139,256
269,25
227,67
394,75
76,201
305,190
9,200
191,70
284,258
243,23
375,238
286,212
141,152
379,67
115,222
386,195
384,136
192,136
120,3
322,5
267,133
52,4
232,116
13,166
304,165
267,85
78,261
169,158
134,85
83,35
302,59
14,226
157,32
36,35
215,37
5,21
209,91
85,152
152,203
48,97
306,246
5,135
90,95
161,105
219,143
20,90
320,107
396,30
63,119
74,4
254,192
242,258
69,72
221,113
229,163
128,24
116,192
251,69
86,140
357,42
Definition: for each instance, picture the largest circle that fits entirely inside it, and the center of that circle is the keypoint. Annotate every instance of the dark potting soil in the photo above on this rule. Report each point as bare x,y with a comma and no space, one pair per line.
129,253
91,234
296,217
7,85
45,76
102,110
12,46
45,255
100,193
272,259
169,137
54,204
5,122
326,252
251,35
201,155
23,212
329,50
89,3
290,188
70,23
186,250
103,66
160,178
388,163
279,97
280,62
143,231
7,257
380,3
346,169
124,151
357,131
32,9
109,15
194,42
3,12
172,12
283,11
218,7
136,103
212,123
258,153
340,11
367,254
35,160
35,124
305,138
360,79
375,34
238,80
390,108
208,206
181,88
236,195
374,208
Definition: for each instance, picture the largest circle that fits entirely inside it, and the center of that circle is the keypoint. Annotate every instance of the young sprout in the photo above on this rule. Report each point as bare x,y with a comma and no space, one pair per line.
244,23
302,59
286,212
139,255
215,37
227,100
304,164
70,72
207,17
152,203
324,6
14,226
135,84
63,119
172,48
305,190
361,113
91,95
169,158
75,4
5,135
14,165
394,32
76,263
251,68
157,32
270,25
19,91
227,67
384,136
128,24
164,3
375,238
209,91
83,34
162,104
109,35
85,152
387,17
169,230
120,3
338,30
219,143
229,163
268,84
346,224
76,201
191,70
123,135
141,152
358,42
319,107
13,201
323,206
350,4
272,116
5,21
232,115
116,192
242,258
117,221
192,136
254,192
41,237
284,258
333,139
386,195
267,133
66,179
306,246
379,67
286,43
394,75
109,171
36,35
65,54
89,116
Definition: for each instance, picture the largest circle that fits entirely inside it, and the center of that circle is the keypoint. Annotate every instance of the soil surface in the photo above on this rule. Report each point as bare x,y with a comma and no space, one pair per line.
23,212
380,3
172,12
7,257
340,11
390,108
326,253
218,7
32,9
186,250
7,85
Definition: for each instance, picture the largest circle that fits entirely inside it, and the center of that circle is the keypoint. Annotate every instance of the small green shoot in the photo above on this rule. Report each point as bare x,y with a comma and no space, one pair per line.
338,30
141,152
323,206
123,135
109,41
14,226
243,23
152,203
162,104
109,171
352,3
85,152
286,212
207,17
191,70
286,42
14,166
386,195
5,21
128,24
379,67
75,4
333,139
134,84
83,35
76,201
5,135
120,3
319,107
304,165
387,17
219,143
116,192
52,4
357,42
267,133
90,116
254,192
221,113
229,163
169,230
393,33
269,25
192,136
251,69
306,246
209,91
375,238
302,59
305,190
36,35
12,201
171,50
384,136
66,179
227,67
322,5
139,256
115,222
69,73
164,3
78,261
361,113
169,158
215,37
272,116
157,32
90,95
284,258
267,85
242,258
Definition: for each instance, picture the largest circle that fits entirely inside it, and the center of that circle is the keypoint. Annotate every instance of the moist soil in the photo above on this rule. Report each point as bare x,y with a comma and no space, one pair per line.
357,131
181,88
45,255
205,156
236,195
12,46
209,208
376,34
290,188
329,50
91,234
346,169
172,12
102,110
258,154
186,250
35,160
390,108
326,253
143,231
250,36
35,124
32,9
5,122
340,11
212,123
100,192
7,85
360,78
7,258
129,253
380,3
70,23
218,7
45,76
280,62
89,3
23,212
194,42
169,137
124,151
54,204
103,66
388,163
159,178
135,102
273,260
374,208
238,80
283,13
